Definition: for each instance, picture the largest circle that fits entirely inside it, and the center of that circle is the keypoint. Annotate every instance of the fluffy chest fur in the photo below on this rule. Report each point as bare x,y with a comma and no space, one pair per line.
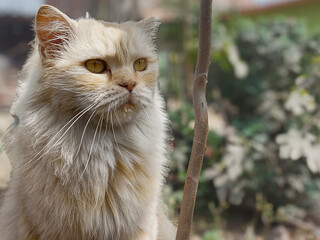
104,181
108,178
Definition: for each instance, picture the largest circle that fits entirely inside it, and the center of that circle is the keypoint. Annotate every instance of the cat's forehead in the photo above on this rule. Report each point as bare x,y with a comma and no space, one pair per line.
121,40
107,29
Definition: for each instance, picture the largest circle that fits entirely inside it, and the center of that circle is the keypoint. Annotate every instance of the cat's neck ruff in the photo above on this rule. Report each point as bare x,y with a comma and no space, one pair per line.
120,170
80,140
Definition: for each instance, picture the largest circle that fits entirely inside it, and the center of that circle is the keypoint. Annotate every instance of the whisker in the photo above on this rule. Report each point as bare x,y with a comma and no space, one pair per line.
84,131
120,123
91,148
145,112
114,136
81,113
101,119
107,120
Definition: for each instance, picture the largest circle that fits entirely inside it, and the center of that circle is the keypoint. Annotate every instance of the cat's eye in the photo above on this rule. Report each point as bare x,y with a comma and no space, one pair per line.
96,65
140,64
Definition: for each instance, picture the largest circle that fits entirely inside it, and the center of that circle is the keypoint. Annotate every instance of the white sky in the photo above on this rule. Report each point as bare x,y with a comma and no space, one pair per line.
20,7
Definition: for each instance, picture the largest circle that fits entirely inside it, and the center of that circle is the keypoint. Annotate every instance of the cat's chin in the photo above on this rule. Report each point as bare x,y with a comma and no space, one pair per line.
126,112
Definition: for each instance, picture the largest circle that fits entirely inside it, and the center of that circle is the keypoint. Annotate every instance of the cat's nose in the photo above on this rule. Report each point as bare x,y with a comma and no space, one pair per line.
129,85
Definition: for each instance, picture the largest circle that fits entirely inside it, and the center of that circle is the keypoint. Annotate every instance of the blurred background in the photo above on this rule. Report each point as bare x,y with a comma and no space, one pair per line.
260,177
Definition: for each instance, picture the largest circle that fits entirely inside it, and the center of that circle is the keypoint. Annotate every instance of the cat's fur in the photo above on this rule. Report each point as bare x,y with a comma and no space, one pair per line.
89,157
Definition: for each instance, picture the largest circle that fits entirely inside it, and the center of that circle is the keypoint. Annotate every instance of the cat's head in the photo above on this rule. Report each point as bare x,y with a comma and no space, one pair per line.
107,68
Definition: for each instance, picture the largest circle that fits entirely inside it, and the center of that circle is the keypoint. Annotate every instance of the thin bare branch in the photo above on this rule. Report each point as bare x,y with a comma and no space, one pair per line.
201,122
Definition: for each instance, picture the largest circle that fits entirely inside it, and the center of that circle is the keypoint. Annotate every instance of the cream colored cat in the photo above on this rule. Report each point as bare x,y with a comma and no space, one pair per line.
89,150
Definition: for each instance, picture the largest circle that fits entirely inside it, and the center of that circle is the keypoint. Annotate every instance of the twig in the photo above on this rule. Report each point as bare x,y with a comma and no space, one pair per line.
201,122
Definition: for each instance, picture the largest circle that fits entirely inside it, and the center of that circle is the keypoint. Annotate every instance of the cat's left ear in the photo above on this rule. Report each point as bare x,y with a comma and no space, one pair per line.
53,29
150,26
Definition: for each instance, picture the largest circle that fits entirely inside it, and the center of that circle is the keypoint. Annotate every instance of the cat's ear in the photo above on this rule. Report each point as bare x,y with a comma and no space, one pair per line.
53,29
150,26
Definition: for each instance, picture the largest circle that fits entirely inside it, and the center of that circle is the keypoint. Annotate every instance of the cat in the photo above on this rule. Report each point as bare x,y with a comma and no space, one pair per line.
89,146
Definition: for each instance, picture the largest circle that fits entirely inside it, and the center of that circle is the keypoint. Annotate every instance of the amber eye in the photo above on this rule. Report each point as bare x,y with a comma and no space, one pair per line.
140,64
96,65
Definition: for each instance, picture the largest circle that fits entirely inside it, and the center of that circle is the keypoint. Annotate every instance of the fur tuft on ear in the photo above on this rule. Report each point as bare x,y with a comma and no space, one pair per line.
53,29
150,26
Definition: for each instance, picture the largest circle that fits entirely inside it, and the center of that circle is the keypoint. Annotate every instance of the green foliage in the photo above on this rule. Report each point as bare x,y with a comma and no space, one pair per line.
213,235
279,94
268,157
183,123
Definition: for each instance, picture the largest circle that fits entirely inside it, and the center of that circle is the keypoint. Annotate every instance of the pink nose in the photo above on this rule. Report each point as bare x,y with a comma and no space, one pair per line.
128,85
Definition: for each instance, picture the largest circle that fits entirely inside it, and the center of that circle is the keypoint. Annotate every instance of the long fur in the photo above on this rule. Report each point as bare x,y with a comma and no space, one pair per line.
89,158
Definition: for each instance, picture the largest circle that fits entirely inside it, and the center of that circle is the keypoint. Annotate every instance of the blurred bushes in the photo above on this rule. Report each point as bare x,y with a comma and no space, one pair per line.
264,84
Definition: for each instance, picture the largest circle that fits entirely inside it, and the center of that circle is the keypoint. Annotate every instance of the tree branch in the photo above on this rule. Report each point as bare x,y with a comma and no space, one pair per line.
201,122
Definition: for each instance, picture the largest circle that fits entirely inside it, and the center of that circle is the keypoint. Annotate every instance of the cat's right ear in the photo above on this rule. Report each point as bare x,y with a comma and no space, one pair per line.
150,26
53,29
